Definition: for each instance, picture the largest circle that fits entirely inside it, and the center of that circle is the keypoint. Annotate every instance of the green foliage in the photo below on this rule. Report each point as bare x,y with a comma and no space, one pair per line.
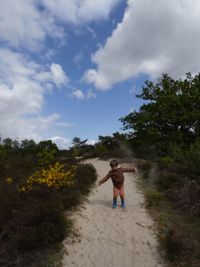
47,152
192,158
167,236
166,161
107,146
112,146
40,224
171,115
83,181
85,177
166,129
3,152
153,198
179,237
145,167
33,221
46,157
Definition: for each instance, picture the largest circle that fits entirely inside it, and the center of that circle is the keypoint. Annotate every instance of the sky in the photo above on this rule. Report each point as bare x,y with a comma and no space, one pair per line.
72,68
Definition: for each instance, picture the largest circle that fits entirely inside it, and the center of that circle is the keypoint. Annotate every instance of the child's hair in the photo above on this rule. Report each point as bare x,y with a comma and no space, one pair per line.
113,163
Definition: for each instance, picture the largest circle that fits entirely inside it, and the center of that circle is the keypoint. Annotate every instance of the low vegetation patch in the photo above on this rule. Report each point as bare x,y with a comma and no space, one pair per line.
172,204
33,201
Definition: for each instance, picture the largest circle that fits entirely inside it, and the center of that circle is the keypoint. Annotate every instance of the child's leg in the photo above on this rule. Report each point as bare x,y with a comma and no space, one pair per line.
115,195
121,193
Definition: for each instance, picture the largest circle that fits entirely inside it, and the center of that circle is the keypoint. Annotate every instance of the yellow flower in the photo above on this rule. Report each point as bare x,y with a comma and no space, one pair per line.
9,180
54,176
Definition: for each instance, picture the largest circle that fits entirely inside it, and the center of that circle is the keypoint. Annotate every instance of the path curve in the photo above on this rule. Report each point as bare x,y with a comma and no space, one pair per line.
112,237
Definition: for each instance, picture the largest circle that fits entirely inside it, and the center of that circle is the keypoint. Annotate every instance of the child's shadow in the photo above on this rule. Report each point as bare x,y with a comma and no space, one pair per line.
102,202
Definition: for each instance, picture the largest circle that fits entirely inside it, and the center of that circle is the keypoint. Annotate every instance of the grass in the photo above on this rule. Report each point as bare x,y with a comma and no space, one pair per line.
178,231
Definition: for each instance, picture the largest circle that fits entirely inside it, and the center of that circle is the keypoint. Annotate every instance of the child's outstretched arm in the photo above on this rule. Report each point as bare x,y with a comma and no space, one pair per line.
104,179
130,169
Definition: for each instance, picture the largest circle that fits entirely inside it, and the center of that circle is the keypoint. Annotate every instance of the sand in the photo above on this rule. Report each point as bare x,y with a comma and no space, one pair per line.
113,237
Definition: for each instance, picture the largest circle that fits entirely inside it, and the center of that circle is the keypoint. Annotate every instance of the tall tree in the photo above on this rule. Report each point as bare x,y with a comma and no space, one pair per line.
171,114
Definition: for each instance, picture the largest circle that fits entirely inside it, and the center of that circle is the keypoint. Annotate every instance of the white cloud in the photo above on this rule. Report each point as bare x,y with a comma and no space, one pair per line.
80,11
27,23
78,94
22,87
64,124
24,28
23,24
154,37
61,142
59,77
91,142
27,127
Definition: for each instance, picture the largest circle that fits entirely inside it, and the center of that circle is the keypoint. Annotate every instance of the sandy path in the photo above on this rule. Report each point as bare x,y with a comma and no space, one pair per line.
113,237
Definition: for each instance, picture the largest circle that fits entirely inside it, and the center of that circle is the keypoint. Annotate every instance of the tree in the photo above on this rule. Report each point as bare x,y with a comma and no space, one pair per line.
28,146
79,146
77,142
7,142
171,114
47,152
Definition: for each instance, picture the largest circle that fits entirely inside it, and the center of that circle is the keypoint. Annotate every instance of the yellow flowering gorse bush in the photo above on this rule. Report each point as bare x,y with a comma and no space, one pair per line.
9,180
53,177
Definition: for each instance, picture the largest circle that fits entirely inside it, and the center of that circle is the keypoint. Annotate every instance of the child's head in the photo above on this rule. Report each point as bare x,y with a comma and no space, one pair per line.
114,164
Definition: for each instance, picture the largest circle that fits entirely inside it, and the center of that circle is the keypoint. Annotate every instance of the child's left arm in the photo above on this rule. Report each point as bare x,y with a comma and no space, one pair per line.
129,169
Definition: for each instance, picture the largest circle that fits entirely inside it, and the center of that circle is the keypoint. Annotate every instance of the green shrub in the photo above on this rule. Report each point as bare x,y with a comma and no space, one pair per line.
169,241
46,157
83,181
153,198
165,181
33,221
37,221
166,162
145,167
85,177
193,158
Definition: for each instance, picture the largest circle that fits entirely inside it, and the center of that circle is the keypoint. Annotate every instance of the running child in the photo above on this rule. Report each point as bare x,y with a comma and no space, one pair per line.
116,174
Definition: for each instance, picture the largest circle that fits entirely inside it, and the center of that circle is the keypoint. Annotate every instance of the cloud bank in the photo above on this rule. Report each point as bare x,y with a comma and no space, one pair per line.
154,37
26,26
27,23
23,85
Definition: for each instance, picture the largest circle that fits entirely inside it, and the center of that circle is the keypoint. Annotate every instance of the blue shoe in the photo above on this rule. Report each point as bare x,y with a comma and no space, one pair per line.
123,205
114,205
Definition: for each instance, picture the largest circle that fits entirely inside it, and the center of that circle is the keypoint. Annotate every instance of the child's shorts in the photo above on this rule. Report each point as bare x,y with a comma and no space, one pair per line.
118,186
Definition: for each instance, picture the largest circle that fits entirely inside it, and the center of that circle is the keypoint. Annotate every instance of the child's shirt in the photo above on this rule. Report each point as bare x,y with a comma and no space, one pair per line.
117,175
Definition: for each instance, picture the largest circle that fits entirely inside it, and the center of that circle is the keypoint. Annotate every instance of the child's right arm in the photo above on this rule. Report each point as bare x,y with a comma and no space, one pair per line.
105,179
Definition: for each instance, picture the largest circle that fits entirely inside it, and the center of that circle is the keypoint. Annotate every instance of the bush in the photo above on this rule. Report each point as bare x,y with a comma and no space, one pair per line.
145,167
85,177
167,235
167,180
42,223
193,158
153,198
33,200
83,181
33,220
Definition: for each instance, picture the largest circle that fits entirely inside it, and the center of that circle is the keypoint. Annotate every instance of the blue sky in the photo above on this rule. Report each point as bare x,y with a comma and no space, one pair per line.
71,68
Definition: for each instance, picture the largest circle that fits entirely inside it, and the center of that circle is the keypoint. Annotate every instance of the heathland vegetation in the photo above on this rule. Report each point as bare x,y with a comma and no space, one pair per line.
166,131
38,182
37,185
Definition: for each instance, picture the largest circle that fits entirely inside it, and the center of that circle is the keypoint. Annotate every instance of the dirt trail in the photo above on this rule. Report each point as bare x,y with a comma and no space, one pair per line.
113,237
